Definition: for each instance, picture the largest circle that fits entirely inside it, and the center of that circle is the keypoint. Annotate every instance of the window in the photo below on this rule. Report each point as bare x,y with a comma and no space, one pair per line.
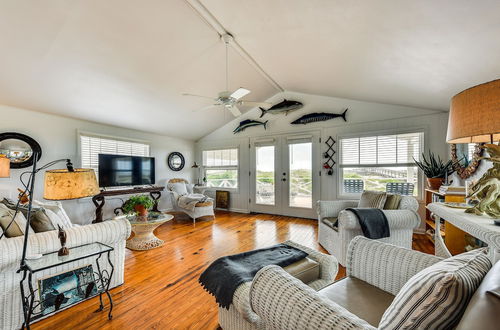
372,162
93,145
221,168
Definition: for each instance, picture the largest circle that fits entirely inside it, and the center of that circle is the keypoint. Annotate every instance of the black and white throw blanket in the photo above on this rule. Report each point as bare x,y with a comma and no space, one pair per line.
373,222
225,274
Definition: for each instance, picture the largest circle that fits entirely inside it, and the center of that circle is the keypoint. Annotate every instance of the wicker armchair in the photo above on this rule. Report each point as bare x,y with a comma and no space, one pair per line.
283,302
336,239
240,315
202,209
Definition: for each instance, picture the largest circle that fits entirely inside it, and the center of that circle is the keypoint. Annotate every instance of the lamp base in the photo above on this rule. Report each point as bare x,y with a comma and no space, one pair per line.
487,189
63,251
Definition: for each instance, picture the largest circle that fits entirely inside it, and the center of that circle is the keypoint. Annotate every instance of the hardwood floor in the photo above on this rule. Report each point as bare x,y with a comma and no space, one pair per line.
161,289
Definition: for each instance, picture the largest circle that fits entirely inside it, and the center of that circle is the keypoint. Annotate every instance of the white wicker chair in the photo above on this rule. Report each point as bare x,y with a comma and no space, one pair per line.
112,233
240,315
283,302
202,209
336,240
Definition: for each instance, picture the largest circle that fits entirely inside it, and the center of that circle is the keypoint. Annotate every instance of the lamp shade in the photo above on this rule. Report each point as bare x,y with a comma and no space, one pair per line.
475,115
63,184
4,166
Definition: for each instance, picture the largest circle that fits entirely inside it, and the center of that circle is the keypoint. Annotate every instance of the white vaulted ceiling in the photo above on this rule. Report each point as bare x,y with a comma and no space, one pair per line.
126,63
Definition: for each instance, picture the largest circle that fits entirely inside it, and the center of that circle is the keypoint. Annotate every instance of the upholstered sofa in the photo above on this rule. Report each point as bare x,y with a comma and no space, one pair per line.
337,227
112,233
317,271
376,273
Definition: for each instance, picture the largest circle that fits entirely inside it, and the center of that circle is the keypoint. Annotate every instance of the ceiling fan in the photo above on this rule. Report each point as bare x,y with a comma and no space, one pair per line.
230,100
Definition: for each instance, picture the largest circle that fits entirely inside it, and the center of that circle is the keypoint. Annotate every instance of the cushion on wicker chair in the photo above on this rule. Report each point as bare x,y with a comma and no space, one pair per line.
306,270
372,199
360,298
331,222
392,202
436,297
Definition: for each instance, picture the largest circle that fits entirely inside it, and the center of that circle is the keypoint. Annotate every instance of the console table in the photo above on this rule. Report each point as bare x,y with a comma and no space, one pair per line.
481,227
99,200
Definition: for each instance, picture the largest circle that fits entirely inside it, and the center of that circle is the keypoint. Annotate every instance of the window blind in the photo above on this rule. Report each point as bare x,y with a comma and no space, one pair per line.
381,149
220,158
91,146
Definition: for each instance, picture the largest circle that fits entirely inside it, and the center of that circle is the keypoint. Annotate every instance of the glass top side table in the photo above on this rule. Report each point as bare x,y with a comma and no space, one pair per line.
143,228
32,301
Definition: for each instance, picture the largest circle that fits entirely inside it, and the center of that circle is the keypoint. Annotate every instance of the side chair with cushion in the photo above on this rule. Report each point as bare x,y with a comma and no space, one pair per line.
387,287
317,271
178,187
337,227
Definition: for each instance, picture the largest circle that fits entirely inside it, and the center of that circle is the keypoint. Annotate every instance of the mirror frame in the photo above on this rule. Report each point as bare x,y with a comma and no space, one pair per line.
171,156
466,172
33,144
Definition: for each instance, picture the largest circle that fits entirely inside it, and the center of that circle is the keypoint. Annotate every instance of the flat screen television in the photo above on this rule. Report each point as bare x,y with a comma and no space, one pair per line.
119,170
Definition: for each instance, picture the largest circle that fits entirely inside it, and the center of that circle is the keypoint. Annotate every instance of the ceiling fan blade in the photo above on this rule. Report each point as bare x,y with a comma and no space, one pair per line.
207,97
235,111
207,107
255,104
239,93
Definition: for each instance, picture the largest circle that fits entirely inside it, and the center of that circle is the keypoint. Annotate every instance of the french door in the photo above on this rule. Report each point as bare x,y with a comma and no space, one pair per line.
284,175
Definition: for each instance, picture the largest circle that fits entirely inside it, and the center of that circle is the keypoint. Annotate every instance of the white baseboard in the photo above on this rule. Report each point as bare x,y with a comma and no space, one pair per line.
234,210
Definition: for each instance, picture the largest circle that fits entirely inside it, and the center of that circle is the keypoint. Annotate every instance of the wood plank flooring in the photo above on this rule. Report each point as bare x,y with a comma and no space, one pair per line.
161,289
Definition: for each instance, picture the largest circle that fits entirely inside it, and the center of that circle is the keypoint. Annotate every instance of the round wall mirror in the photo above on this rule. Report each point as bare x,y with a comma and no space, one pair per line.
465,157
19,148
176,161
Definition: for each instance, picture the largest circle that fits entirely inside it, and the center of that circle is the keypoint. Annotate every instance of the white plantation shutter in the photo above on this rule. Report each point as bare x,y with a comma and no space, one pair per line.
220,158
92,145
398,149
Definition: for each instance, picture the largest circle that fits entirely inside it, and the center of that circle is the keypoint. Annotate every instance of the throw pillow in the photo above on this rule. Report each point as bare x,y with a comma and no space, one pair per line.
179,188
436,297
56,213
372,199
392,202
190,188
40,222
17,227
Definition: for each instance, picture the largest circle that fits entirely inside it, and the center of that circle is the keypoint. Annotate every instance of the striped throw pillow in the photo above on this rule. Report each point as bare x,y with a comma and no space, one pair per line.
372,199
436,297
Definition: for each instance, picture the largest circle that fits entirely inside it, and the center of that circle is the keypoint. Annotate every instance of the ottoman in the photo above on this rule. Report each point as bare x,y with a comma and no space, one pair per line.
317,270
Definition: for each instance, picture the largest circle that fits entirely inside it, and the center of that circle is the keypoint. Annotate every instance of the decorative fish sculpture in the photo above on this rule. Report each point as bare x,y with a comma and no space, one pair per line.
286,106
249,123
318,116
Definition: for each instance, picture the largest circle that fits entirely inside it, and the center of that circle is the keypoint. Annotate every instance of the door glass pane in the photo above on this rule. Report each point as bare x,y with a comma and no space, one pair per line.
264,175
300,175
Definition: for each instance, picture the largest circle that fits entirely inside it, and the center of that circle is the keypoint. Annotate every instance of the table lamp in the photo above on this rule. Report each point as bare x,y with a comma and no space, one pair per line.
475,118
4,166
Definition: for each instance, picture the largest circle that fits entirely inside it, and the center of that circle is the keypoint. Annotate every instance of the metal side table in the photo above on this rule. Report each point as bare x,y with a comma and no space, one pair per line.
33,305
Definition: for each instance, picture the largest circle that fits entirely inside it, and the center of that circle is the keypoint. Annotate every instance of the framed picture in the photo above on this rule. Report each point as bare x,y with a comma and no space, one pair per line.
65,289
222,199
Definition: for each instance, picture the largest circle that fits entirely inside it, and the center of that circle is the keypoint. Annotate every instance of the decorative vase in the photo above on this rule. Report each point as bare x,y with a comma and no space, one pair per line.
435,183
141,210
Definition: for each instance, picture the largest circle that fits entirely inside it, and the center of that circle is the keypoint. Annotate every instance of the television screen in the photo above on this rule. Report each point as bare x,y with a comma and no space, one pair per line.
119,170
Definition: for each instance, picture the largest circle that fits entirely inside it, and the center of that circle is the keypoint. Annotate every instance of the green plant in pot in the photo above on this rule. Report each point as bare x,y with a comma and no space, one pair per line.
139,204
434,169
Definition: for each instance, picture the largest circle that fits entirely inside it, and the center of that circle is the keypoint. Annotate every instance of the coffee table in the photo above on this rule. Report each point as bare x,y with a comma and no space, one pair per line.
143,228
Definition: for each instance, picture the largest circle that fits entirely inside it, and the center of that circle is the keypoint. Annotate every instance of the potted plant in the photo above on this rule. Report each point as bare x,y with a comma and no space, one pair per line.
139,204
434,169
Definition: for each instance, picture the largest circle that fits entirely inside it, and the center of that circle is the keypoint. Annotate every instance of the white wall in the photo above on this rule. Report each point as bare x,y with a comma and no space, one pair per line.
58,137
362,117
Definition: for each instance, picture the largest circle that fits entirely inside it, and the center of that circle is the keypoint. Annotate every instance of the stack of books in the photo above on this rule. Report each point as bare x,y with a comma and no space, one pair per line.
452,190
